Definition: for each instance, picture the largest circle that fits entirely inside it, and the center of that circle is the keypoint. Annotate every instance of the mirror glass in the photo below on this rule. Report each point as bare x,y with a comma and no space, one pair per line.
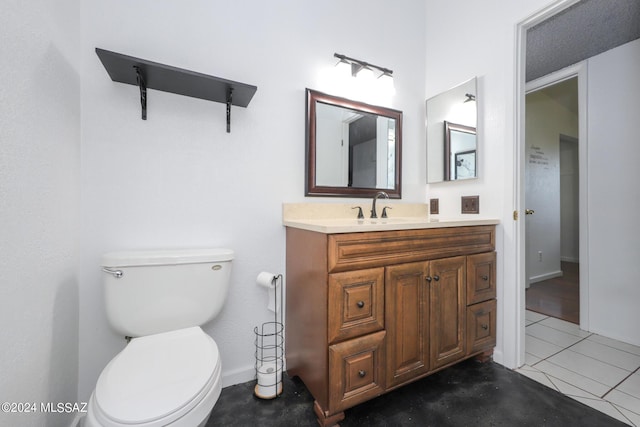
353,149
452,146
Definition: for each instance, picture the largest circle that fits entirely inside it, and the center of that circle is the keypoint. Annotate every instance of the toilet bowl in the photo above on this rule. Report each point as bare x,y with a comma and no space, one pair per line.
167,379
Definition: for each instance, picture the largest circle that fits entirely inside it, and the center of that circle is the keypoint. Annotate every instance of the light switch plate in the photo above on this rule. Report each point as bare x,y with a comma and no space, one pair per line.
434,206
470,204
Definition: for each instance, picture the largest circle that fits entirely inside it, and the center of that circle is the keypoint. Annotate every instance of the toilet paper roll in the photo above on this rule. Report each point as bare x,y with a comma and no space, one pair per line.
269,380
268,280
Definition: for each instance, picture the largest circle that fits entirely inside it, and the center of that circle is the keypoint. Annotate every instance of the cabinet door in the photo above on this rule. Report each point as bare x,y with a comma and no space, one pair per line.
355,371
406,321
481,277
481,326
448,310
356,303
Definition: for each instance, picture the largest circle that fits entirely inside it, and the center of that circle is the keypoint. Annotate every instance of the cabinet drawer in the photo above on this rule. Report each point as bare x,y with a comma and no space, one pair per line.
356,303
350,251
481,326
356,371
481,277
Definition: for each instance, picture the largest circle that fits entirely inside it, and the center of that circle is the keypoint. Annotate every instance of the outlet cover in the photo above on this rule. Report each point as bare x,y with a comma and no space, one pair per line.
434,206
470,204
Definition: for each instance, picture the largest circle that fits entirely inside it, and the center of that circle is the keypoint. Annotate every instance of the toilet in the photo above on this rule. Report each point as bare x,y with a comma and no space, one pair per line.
169,374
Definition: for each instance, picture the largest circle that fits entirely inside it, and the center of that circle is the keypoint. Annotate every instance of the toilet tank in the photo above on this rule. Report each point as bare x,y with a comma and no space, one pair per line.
148,292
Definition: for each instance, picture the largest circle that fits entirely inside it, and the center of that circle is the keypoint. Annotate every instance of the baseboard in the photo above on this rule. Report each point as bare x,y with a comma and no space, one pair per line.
238,376
243,375
546,276
498,357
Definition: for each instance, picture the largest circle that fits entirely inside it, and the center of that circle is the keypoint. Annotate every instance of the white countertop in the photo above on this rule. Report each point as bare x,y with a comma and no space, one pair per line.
347,225
332,218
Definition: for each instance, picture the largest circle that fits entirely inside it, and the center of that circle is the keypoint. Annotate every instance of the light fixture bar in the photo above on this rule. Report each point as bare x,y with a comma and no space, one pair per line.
357,65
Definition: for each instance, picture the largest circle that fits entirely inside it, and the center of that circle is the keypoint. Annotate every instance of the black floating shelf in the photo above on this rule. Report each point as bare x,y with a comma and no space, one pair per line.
147,74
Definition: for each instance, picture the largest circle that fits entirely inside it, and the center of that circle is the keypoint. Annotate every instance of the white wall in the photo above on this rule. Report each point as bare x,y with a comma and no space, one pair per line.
569,200
455,52
613,153
39,206
613,201
332,168
179,180
546,120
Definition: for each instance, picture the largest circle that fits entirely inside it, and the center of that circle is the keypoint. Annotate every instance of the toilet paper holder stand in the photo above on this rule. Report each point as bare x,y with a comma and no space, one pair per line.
269,350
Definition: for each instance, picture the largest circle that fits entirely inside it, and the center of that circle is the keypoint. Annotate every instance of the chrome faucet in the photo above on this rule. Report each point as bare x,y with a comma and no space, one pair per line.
376,197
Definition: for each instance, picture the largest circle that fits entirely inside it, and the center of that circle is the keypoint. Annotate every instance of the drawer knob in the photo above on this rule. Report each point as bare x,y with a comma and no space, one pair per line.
484,277
436,277
485,327
360,304
428,278
362,373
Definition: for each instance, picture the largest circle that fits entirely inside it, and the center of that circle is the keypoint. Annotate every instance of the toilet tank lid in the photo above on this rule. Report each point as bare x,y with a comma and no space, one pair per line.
165,257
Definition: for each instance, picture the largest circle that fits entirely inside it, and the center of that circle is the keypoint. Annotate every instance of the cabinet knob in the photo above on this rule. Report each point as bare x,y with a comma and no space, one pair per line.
360,304
428,278
484,277
362,373
485,327
436,277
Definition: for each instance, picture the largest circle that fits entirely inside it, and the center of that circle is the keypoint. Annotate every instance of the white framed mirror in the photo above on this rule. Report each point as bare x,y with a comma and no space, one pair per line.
452,145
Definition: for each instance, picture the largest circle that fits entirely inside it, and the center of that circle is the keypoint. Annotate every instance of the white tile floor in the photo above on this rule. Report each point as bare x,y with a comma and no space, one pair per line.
597,371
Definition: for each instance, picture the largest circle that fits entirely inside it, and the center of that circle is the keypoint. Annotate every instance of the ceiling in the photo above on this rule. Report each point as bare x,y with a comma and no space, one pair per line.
581,31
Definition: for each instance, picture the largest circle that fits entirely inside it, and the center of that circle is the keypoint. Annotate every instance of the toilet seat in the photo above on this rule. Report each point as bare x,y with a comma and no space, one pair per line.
157,379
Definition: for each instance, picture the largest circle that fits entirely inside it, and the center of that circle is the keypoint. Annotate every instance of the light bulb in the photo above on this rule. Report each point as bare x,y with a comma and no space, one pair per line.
365,74
343,68
386,85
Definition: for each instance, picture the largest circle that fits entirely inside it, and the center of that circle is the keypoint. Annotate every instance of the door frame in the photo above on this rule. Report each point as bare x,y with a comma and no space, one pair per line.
519,173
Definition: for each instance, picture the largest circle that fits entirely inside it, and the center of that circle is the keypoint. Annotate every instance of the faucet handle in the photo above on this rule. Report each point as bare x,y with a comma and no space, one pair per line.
360,214
384,211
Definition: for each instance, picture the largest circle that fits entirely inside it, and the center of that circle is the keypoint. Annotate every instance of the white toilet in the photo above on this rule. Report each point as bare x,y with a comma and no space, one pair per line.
169,374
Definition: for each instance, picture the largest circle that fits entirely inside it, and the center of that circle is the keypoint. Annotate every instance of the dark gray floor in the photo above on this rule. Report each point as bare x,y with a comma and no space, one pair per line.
468,394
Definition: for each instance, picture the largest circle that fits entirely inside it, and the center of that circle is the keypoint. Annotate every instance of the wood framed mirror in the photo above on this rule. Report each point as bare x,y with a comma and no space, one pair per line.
460,151
353,149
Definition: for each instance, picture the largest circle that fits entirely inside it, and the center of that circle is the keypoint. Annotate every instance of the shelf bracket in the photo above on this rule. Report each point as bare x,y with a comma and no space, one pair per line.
229,100
143,91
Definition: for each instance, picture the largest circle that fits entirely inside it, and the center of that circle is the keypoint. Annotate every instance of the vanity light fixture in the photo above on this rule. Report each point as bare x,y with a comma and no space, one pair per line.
365,74
359,67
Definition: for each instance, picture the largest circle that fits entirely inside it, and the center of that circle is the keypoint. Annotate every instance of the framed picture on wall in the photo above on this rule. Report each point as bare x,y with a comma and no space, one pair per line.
465,164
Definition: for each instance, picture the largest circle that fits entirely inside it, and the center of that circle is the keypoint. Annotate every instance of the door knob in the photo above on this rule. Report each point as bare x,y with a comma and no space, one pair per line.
529,211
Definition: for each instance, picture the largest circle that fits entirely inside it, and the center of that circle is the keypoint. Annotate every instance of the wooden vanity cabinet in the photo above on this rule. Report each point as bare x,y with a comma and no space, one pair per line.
368,312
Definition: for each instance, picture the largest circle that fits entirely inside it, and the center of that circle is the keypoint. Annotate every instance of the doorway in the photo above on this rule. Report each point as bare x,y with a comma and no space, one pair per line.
552,185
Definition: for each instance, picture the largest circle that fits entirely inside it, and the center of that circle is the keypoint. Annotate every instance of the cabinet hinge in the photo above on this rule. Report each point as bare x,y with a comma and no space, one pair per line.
515,215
